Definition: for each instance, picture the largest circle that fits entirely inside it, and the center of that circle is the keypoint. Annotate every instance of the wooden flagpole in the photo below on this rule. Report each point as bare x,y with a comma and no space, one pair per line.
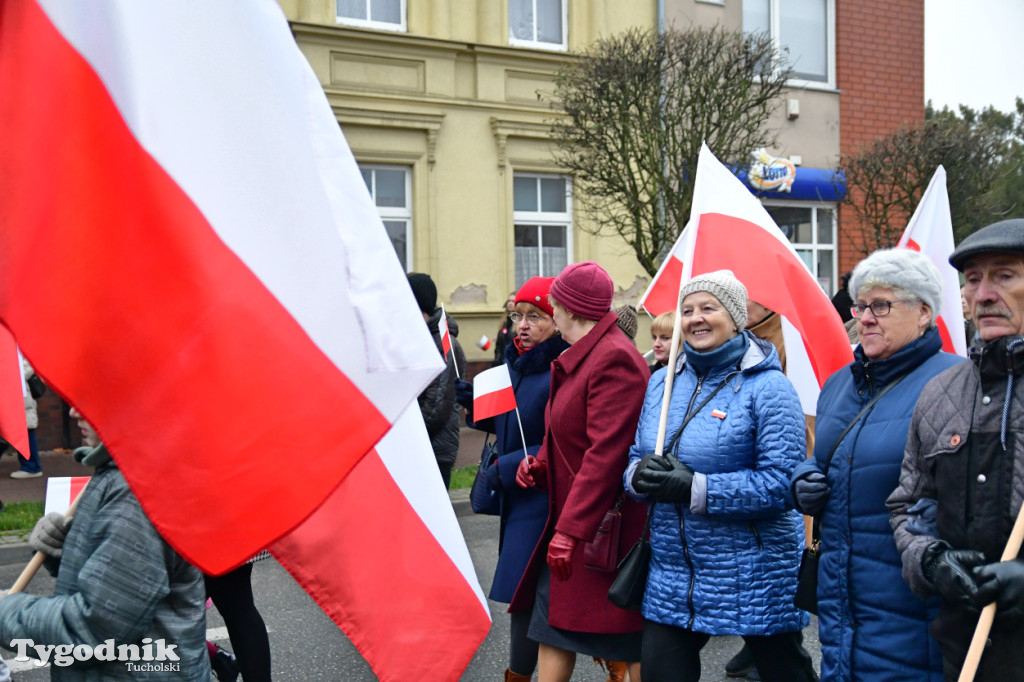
988,614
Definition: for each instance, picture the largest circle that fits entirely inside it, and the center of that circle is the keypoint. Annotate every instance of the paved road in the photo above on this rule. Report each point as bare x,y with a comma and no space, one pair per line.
306,645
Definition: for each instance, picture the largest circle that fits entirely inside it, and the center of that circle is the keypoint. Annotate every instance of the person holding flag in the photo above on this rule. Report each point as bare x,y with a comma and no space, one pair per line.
725,541
437,401
597,387
520,432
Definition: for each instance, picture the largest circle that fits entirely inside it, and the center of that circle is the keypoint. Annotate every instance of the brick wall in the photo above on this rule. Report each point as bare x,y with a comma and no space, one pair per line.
880,74
56,429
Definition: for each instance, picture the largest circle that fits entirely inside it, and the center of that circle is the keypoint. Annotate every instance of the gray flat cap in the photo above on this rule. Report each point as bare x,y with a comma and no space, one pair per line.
1006,236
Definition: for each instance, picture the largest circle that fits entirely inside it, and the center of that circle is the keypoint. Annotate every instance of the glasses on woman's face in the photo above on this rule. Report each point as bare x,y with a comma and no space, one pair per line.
532,319
877,308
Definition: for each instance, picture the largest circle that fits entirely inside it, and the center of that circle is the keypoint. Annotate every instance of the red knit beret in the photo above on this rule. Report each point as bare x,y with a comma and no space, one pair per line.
535,292
584,289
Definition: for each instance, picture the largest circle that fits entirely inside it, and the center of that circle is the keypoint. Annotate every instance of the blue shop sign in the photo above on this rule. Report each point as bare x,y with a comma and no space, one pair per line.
772,177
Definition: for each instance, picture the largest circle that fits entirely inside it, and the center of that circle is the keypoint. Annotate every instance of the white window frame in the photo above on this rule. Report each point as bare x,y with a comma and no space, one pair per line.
544,219
775,30
814,246
539,44
370,23
395,213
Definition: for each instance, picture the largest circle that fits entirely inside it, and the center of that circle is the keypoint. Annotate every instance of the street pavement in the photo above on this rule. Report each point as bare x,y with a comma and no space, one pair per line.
305,644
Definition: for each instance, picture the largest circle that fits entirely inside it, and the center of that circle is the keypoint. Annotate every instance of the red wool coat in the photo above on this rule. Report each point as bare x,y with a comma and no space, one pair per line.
597,390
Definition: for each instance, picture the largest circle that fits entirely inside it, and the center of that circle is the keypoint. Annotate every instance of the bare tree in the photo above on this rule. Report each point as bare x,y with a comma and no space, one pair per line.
887,178
638,107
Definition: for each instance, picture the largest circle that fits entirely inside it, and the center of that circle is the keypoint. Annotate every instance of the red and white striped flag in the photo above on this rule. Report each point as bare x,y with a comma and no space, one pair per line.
730,229
930,231
661,294
61,491
208,240
446,336
492,393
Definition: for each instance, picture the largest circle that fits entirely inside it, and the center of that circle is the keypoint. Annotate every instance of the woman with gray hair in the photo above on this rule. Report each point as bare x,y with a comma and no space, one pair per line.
871,626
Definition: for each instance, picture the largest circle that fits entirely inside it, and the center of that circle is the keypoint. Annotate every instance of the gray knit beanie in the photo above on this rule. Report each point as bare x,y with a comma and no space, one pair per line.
903,269
724,286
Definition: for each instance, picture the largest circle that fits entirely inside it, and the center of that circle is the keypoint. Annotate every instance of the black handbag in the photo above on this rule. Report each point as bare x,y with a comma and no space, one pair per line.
627,590
806,596
36,387
482,499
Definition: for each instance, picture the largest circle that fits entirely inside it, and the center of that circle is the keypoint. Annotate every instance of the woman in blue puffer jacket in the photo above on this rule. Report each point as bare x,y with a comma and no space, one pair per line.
725,540
870,625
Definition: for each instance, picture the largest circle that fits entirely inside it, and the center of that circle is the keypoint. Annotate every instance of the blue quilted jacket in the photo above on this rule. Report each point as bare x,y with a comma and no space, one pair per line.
728,564
871,626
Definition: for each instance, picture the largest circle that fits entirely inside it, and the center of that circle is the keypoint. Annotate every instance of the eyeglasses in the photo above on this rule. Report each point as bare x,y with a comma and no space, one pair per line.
878,308
532,319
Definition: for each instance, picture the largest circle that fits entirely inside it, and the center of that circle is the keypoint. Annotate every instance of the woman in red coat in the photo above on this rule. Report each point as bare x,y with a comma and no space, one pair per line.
597,389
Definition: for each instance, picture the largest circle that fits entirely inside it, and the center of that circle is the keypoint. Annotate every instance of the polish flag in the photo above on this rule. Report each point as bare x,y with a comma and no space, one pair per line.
492,393
408,599
661,294
221,297
13,427
930,231
730,229
61,491
446,336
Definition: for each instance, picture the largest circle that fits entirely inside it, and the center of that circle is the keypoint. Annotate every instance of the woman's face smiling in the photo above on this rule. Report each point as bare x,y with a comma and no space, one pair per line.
706,324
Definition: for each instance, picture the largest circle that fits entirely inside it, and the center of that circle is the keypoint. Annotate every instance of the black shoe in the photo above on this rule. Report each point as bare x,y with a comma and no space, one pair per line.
754,675
224,665
741,664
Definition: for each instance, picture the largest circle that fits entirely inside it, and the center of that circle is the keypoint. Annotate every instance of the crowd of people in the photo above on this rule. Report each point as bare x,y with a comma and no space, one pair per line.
913,474
912,471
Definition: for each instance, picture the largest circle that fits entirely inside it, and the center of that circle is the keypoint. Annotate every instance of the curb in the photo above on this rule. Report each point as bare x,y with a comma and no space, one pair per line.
18,553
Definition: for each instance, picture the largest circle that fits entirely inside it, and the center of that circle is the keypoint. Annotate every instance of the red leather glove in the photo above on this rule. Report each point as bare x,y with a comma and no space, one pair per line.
560,555
532,473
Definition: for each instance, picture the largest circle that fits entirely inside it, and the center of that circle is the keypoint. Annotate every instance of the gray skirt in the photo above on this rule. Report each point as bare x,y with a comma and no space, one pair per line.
617,646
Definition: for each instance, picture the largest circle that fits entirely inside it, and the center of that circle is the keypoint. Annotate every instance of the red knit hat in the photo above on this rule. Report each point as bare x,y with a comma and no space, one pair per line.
535,292
584,289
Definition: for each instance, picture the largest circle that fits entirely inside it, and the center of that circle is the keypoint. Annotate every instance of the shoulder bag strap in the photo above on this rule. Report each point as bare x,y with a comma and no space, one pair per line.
815,529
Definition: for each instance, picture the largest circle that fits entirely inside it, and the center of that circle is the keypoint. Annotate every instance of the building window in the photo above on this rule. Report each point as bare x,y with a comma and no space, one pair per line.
542,208
537,23
390,188
812,231
804,32
386,14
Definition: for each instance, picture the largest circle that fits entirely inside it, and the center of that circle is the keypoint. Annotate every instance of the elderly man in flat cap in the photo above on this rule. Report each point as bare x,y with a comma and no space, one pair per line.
962,481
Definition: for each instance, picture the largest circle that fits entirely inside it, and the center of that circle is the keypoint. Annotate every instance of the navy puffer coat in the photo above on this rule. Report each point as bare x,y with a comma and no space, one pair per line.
871,626
729,568
524,512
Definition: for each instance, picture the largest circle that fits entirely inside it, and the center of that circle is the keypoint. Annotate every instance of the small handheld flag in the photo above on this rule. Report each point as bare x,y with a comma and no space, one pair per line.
492,393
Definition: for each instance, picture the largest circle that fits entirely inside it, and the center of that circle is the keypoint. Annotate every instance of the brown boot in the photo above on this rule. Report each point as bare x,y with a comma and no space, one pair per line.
616,669
516,677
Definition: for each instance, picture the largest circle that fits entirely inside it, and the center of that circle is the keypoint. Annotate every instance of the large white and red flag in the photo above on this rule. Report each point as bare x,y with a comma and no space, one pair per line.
930,231
730,229
220,297
493,393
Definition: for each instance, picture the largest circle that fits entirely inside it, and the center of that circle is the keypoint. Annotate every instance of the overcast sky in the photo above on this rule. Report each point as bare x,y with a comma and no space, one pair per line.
974,52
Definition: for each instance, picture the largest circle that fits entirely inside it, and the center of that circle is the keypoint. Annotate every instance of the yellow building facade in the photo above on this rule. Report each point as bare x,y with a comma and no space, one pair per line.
438,100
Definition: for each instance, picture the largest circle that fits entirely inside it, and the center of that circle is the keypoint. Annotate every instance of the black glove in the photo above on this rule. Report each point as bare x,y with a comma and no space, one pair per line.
667,480
811,492
949,570
1002,583
464,393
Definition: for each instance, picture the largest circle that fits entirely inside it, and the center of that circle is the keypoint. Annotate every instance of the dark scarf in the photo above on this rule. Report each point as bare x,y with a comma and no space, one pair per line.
537,359
726,355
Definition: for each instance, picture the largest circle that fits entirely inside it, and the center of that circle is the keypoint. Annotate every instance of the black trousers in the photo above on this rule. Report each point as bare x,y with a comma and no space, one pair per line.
672,654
